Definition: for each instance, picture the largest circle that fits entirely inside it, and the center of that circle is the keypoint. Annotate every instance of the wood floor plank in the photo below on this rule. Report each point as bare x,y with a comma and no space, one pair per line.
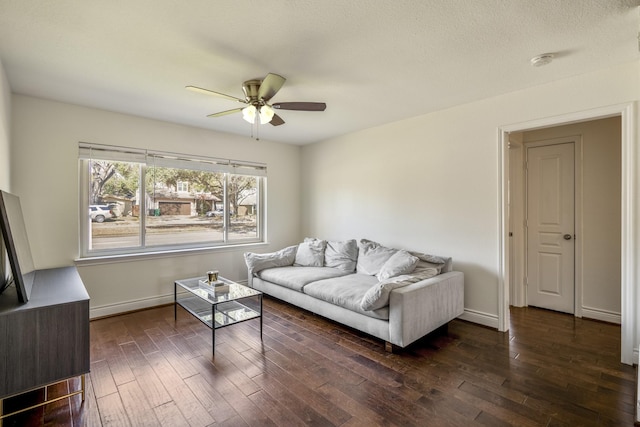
210,399
102,380
181,394
300,405
169,415
245,408
137,407
112,412
276,411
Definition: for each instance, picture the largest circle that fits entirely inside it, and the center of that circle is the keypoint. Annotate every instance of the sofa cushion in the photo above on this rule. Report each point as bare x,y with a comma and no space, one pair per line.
427,261
297,277
402,262
347,292
258,262
377,296
310,253
372,256
342,255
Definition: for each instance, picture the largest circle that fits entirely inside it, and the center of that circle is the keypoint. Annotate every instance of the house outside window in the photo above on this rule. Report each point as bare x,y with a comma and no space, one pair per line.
137,201
182,187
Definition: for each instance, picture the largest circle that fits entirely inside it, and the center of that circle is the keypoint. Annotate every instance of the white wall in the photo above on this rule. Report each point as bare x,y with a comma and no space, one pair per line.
599,239
431,183
5,163
5,130
45,176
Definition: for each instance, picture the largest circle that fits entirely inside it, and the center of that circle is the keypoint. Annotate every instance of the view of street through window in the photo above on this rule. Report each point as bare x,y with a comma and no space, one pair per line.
123,231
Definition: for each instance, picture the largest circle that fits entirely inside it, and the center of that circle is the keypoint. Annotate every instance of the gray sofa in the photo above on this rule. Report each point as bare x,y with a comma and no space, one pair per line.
395,295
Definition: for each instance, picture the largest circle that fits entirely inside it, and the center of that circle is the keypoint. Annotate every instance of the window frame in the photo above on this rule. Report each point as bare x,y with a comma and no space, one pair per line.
147,158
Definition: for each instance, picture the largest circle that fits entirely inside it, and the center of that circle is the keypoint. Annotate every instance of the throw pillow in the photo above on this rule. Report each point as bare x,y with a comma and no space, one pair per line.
402,262
258,262
310,253
429,261
378,295
341,255
372,256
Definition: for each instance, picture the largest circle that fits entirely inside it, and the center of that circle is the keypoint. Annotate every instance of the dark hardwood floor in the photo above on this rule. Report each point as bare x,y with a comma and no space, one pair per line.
551,369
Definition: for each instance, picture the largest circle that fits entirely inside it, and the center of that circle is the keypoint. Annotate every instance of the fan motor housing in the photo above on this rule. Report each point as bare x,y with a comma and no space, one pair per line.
250,89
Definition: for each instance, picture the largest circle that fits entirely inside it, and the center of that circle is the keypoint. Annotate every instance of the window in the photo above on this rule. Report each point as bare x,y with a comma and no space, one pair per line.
136,201
182,187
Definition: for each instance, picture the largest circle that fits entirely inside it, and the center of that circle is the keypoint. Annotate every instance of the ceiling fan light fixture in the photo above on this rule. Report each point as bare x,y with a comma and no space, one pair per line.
249,114
266,114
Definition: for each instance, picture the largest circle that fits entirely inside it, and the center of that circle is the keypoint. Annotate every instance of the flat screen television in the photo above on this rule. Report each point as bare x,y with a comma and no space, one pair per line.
16,243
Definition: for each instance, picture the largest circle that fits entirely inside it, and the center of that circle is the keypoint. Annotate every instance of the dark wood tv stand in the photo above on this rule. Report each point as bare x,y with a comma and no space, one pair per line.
45,340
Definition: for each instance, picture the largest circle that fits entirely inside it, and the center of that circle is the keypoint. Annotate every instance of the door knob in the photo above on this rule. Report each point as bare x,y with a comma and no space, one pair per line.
567,237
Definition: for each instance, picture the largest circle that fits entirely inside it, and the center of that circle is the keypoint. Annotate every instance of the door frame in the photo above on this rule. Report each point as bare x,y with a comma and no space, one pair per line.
630,255
576,140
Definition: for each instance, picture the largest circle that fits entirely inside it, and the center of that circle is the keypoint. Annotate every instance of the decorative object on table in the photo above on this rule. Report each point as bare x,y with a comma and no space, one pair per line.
213,276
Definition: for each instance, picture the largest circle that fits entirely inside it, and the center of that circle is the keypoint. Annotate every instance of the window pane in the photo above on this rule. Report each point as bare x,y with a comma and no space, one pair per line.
182,206
242,192
113,205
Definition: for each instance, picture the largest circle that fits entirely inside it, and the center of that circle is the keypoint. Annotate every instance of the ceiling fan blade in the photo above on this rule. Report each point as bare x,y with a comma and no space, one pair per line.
218,94
224,113
270,86
300,106
276,120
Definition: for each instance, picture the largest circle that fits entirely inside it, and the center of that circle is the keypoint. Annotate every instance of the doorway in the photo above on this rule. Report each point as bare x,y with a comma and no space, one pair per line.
627,213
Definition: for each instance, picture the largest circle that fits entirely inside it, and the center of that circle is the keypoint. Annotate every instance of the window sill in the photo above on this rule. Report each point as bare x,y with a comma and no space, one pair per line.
113,259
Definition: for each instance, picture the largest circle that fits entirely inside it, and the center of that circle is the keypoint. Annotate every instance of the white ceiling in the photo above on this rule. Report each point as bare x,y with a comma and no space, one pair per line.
372,62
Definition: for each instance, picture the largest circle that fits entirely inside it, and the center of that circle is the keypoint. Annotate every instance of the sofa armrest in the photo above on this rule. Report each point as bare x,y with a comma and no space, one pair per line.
249,278
419,308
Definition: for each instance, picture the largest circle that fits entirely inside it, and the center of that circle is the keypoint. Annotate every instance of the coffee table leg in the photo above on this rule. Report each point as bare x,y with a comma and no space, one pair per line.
260,317
175,302
213,330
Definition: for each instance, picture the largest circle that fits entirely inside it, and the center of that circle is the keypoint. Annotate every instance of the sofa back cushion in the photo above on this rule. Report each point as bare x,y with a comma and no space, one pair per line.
341,255
372,256
310,253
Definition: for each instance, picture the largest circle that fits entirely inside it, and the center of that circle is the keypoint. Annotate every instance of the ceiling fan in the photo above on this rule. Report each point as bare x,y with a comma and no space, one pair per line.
257,94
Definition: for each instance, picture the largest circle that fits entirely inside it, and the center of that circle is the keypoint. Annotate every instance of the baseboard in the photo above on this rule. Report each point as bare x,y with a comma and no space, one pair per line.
603,315
123,307
485,319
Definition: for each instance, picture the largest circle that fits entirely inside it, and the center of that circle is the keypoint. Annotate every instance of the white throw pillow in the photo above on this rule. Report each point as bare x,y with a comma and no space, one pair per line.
341,255
402,262
429,261
258,262
372,256
378,295
310,253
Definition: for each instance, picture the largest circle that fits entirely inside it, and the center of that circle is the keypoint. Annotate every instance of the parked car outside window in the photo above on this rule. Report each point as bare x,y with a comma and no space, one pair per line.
217,212
99,213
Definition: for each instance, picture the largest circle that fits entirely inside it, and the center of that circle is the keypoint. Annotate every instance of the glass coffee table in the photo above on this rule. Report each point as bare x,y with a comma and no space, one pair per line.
217,306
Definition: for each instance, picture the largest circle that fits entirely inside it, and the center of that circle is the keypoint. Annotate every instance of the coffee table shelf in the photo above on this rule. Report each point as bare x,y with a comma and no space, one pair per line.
218,306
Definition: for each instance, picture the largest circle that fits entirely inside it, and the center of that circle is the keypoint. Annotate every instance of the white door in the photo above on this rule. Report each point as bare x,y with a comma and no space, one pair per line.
550,227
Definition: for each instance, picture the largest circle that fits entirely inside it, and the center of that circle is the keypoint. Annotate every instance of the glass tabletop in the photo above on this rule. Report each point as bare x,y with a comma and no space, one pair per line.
224,290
